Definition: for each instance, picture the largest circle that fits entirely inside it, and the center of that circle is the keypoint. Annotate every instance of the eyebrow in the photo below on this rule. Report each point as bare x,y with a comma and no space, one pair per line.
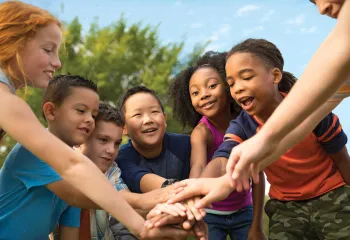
108,137
207,79
249,70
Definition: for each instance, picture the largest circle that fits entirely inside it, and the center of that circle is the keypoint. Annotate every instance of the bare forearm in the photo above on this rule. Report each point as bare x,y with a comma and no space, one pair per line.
325,73
197,170
258,199
299,133
215,168
133,199
71,165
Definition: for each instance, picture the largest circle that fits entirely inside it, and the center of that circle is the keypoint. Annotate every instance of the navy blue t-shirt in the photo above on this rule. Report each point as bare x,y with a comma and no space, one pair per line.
173,162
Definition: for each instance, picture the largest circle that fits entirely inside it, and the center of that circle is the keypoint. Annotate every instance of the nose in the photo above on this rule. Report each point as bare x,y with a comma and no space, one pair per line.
238,87
325,8
89,119
205,94
56,62
147,118
110,148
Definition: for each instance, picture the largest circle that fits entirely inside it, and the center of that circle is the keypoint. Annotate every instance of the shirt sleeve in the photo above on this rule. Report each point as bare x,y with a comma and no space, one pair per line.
233,136
116,179
330,134
187,159
70,217
128,161
32,171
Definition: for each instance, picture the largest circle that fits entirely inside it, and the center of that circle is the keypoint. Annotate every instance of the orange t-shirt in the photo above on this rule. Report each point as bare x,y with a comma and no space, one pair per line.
305,171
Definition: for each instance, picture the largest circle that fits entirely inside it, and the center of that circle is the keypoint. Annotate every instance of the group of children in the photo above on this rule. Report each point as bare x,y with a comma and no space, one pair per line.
225,97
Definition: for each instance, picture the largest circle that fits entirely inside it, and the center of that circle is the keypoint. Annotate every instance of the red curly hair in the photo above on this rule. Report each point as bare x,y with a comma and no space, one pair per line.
19,23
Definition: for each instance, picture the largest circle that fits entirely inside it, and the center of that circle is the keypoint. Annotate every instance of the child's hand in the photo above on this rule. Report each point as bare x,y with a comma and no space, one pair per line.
200,230
193,212
163,219
244,161
213,189
256,233
152,198
175,210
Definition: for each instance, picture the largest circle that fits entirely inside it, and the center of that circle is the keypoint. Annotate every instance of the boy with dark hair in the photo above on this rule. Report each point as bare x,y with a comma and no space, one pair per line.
152,158
29,186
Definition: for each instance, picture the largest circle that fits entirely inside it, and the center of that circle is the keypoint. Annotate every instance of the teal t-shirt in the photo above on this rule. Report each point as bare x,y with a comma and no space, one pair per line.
5,80
28,210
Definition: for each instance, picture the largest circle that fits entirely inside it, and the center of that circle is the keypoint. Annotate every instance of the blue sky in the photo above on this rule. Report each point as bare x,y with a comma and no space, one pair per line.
295,26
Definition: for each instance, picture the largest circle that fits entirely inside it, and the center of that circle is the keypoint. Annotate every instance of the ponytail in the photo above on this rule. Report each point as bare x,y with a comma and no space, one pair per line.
287,82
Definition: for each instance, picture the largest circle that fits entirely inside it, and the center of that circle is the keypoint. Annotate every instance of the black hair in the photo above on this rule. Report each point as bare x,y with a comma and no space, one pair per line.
133,91
270,55
183,109
109,113
59,88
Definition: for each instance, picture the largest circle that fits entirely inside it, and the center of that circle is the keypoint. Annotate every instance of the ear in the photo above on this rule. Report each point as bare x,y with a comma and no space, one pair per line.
277,75
49,111
165,119
125,131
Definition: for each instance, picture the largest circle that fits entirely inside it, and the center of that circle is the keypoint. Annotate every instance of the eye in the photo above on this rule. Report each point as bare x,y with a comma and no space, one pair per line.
231,85
103,140
136,115
80,111
155,111
47,50
212,86
94,117
248,78
194,93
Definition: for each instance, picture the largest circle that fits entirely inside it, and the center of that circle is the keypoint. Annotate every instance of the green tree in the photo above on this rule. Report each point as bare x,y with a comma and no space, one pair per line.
117,57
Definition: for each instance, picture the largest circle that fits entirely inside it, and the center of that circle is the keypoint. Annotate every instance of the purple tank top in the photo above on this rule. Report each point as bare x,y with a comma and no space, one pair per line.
236,200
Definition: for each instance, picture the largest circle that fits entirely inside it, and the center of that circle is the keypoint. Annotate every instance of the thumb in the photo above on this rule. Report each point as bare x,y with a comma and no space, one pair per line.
207,200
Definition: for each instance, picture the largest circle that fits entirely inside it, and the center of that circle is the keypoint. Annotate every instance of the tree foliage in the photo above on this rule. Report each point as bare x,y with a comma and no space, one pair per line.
116,57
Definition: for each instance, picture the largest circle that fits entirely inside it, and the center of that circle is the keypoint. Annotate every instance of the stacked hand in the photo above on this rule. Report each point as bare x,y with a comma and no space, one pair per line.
181,216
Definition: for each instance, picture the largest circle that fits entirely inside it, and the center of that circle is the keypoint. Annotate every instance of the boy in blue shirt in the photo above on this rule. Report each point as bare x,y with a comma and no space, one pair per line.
29,205
152,158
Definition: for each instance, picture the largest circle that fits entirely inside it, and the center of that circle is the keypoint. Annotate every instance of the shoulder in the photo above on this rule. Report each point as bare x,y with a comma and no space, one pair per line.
243,125
201,133
173,138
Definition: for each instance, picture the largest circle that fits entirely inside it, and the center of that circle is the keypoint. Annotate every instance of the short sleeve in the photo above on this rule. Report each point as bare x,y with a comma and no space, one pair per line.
31,170
116,179
70,217
187,159
129,161
233,136
330,134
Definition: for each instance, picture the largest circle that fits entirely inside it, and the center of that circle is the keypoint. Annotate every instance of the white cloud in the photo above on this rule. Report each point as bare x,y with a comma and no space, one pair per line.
267,15
196,25
247,8
253,30
309,30
296,21
177,2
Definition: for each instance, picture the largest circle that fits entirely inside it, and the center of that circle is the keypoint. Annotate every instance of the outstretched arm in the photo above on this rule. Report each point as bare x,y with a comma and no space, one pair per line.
326,72
19,121
328,69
